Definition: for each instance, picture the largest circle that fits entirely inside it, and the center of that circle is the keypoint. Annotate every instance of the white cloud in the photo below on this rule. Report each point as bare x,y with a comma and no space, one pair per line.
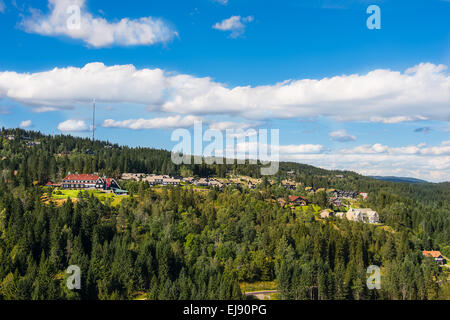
420,161
420,149
253,149
25,124
235,24
341,136
155,123
443,149
94,31
44,109
224,125
73,125
430,168
301,148
224,2
398,119
281,149
421,92
429,163
367,149
63,87
2,6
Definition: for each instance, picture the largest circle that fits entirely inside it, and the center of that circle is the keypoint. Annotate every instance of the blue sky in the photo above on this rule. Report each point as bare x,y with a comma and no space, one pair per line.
373,101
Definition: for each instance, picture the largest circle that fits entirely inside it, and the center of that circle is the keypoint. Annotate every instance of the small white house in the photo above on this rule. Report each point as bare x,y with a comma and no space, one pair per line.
363,214
326,213
340,215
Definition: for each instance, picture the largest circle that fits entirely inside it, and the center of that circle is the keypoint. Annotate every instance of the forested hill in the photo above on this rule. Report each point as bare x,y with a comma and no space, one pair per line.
181,243
112,159
399,179
57,155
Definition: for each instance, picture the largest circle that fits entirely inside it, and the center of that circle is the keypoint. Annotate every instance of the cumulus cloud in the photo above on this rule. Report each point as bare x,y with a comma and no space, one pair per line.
418,93
420,149
63,87
224,2
2,6
73,125
95,31
155,123
342,136
25,124
235,24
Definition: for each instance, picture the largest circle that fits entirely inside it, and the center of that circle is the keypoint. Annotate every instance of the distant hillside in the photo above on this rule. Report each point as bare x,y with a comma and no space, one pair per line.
399,179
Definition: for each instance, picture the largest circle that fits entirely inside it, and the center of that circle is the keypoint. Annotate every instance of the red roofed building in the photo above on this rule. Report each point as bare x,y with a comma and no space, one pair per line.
436,255
297,201
51,184
89,181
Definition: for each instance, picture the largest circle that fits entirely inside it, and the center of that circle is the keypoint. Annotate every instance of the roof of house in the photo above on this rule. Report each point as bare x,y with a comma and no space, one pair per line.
52,184
295,198
434,254
82,177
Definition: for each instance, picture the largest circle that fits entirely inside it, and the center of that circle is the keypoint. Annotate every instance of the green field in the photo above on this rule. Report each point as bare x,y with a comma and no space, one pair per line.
258,286
102,196
315,207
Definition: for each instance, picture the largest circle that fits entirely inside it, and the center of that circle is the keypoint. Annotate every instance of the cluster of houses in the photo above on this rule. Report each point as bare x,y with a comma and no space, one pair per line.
89,181
353,214
340,194
28,141
166,180
337,196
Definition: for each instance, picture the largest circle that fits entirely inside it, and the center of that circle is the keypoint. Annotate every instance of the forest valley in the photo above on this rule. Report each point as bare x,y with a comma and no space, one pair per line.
178,243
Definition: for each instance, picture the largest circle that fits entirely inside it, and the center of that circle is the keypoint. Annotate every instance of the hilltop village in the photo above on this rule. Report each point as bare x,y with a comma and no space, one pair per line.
348,204
339,203
338,199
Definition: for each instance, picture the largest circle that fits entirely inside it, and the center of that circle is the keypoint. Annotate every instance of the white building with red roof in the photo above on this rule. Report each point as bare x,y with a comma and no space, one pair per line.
89,181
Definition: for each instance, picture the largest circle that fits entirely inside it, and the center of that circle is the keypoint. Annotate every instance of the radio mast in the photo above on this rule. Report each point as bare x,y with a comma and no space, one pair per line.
93,122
